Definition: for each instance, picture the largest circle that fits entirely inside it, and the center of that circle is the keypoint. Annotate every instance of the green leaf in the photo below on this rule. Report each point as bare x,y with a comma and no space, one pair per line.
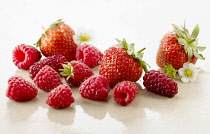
131,49
169,70
182,41
178,31
201,48
53,25
189,53
195,32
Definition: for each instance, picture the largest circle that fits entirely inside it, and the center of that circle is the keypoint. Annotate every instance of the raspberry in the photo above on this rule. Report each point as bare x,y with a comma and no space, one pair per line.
53,61
60,97
75,72
95,88
20,90
160,83
47,78
24,56
89,55
125,92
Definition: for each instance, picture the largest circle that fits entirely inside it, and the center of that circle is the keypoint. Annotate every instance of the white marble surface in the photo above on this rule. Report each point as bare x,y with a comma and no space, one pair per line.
139,21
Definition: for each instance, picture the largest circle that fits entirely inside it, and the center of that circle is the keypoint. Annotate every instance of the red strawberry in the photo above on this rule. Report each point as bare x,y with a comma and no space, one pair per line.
54,61
95,88
47,79
178,47
89,55
120,63
60,97
125,92
76,72
58,39
160,83
24,56
20,89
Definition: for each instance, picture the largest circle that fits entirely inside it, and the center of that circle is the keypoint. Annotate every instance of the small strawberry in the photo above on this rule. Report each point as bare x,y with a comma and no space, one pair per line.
54,61
75,72
20,90
160,83
24,56
89,55
95,88
121,63
178,47
47,78
58,39
125,92
60,97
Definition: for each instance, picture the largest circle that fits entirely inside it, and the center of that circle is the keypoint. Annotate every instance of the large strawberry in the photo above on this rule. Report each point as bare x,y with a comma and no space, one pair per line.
120,63
58,39
179,46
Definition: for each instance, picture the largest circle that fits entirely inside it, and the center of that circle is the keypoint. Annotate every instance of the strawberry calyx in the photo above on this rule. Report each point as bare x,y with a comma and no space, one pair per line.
169,70
67,70
189,41
53,25
131,51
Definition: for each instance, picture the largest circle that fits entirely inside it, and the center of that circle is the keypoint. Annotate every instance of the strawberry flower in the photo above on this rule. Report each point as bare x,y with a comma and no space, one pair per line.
82,36
189,72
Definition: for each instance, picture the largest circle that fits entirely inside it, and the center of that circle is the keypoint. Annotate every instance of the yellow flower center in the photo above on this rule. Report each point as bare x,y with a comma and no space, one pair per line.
188,72
84,38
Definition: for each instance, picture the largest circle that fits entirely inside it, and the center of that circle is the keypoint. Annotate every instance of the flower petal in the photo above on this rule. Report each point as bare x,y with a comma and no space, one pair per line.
181,71
191,66
185,79
76,39
186,65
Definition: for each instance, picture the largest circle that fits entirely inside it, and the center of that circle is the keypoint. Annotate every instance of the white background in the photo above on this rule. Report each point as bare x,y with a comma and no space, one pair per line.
143,22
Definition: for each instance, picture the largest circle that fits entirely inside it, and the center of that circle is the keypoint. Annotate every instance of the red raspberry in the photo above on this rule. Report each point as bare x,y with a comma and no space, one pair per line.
53,61
60,97
20,89
89,55
125,92
160,83
75,72
47,78
24,56
95,88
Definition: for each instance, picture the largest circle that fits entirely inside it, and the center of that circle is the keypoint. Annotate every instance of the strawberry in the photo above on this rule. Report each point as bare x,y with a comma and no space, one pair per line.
75,72
178,47
121,63
58,39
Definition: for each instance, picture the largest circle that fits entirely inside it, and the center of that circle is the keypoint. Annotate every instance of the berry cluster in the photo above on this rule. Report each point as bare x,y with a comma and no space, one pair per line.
69,56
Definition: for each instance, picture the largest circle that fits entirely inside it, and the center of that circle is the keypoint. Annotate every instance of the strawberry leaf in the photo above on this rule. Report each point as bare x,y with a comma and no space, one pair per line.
200,48
178,31
195,32
169,70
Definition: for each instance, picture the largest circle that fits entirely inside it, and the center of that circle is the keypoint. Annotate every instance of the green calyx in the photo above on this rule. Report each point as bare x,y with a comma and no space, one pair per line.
131,51
189,41
53,25
169,70
67,70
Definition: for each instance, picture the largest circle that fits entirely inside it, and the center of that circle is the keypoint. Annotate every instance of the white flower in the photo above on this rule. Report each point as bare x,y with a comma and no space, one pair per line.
189,72
82,36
